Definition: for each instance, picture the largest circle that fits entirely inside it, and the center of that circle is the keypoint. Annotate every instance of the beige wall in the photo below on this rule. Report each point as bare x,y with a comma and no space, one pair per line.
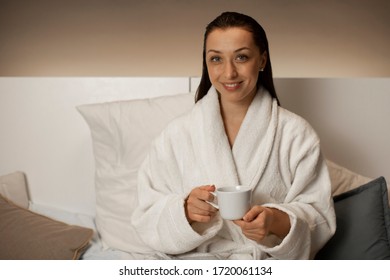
330,38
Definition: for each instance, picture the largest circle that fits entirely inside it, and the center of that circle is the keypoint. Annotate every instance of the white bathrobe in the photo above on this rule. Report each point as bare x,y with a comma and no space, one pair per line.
276,152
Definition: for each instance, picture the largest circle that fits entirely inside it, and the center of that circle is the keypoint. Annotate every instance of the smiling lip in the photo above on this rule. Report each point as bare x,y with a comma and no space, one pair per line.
231,86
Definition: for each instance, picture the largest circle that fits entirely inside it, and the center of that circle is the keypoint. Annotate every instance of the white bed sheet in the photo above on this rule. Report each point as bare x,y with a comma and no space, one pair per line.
96,250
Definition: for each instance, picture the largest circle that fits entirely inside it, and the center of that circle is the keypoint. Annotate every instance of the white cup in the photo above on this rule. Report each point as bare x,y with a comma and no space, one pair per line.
232,202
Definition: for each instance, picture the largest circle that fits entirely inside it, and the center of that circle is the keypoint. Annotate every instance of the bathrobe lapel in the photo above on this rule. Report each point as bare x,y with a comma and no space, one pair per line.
245,162
253,144
211,143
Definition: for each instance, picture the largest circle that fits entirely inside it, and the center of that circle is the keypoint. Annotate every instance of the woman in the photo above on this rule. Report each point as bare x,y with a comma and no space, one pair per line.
236,134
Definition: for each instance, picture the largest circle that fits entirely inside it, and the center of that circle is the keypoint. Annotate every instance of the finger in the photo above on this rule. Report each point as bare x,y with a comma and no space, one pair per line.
195,201
258,224
209,188
204,193
201,218
251,230
202,209
197,209
255,236
245,226
239,222
199,214
253,213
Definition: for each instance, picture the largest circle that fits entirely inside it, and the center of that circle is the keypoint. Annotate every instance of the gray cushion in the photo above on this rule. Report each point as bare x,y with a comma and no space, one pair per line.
363,224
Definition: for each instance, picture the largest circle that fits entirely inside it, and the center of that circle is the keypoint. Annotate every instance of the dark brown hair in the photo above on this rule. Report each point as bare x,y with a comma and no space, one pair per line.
233,19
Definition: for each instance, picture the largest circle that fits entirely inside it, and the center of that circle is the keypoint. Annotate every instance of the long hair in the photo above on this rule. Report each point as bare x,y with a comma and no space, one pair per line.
233,19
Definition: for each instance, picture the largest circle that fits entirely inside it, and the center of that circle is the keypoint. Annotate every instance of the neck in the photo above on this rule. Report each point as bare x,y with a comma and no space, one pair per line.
233,115
234,110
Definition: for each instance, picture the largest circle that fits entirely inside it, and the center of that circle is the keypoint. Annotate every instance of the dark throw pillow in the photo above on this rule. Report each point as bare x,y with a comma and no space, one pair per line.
363,224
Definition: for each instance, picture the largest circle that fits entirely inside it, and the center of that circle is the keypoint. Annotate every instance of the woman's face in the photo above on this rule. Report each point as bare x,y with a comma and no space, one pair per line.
233,62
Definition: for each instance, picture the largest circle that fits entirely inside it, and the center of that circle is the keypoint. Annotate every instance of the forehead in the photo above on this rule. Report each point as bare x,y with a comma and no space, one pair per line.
230,39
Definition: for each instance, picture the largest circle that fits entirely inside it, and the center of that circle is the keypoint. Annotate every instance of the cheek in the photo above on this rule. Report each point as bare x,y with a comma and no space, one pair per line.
255,74
253,71
213,72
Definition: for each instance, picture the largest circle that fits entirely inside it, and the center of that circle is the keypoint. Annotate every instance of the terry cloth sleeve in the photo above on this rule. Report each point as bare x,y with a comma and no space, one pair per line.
160,215
308,201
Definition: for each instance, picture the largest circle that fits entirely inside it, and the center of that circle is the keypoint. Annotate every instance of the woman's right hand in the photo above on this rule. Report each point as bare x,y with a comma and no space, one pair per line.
196,207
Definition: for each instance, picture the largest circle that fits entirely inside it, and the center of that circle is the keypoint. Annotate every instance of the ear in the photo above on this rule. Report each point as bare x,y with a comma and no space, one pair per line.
263,59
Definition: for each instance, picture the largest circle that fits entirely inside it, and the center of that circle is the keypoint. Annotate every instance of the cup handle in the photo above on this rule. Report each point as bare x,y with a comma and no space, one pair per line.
212,203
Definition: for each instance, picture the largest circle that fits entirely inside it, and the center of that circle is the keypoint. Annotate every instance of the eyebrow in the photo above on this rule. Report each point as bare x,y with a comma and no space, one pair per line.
238,50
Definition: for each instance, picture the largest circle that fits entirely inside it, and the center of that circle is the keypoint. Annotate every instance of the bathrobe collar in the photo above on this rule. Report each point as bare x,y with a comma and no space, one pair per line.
244,163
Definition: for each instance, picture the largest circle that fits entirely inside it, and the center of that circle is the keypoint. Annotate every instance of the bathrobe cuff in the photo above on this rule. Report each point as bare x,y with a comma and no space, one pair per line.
188,237
294,244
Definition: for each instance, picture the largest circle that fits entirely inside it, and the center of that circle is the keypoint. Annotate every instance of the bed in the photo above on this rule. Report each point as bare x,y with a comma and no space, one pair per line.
70,149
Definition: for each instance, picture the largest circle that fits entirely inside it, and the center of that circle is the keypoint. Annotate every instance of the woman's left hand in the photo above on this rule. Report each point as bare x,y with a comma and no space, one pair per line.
260,221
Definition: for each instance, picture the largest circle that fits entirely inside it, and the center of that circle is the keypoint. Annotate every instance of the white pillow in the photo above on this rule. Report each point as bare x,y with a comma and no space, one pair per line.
121,135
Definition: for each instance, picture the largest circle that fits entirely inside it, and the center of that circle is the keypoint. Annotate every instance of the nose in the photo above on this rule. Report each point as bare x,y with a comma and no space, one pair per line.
230,70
